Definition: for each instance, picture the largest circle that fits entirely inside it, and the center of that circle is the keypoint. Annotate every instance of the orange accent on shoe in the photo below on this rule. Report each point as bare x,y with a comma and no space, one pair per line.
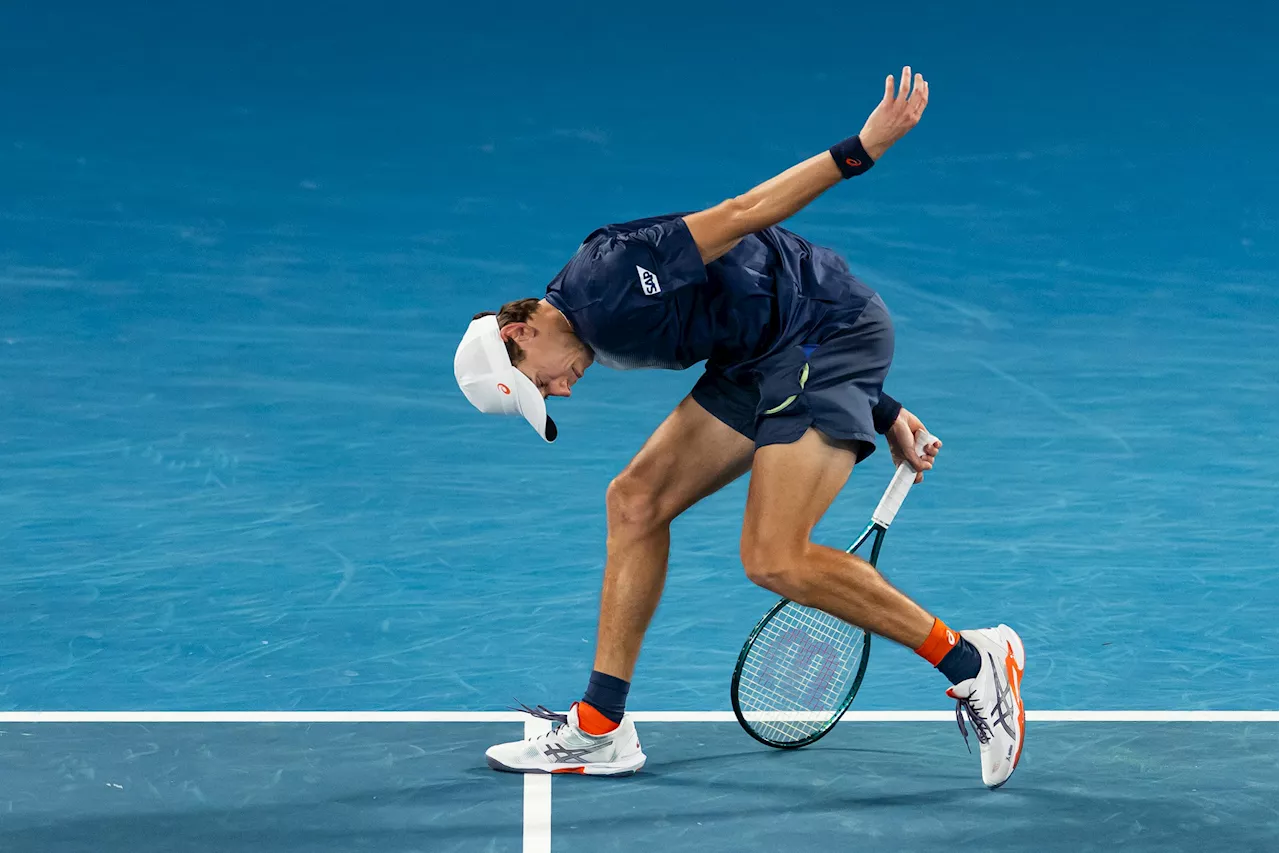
941,640
570,770
593,722
1014,674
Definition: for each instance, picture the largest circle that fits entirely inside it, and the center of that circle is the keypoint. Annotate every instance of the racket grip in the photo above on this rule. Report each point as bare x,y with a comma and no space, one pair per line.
902,481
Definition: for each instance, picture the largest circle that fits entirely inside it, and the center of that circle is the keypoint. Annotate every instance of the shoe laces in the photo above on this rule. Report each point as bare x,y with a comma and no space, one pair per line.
971,708
542,712
968,707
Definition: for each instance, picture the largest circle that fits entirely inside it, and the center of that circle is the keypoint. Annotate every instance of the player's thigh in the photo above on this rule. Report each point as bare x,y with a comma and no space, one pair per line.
792,486
689,456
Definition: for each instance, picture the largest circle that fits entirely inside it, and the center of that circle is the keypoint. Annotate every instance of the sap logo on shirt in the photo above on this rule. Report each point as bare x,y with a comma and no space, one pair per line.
648,282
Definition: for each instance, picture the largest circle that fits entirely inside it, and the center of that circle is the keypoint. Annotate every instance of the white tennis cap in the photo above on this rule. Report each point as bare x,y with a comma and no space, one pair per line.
492,384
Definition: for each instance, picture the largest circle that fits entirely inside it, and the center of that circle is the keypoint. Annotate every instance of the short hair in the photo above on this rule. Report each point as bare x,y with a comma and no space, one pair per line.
518,311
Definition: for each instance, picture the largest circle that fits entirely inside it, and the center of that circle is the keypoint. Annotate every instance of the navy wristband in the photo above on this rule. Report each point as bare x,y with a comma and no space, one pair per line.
851,158
884,413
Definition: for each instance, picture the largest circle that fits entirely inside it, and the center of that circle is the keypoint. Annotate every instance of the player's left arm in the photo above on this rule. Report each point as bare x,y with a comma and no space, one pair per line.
718,229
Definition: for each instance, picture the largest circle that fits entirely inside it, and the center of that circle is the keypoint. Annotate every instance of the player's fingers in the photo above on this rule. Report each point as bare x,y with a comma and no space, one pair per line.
921,95
916,89
905,89
888,88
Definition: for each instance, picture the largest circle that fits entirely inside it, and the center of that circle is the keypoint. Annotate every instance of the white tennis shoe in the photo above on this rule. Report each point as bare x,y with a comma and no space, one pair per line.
992,700
568,749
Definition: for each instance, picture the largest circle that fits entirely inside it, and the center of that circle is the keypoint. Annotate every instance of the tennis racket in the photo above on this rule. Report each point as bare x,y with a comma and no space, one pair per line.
800,668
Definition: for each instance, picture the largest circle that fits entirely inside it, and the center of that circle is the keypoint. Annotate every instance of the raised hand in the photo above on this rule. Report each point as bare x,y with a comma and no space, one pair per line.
896,114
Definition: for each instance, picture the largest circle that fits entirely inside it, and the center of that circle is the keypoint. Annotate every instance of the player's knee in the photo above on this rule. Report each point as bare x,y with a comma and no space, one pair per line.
776,564
633,502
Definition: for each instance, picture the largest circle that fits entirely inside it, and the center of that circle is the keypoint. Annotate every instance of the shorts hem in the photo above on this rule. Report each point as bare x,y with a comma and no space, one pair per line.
866,443
713,405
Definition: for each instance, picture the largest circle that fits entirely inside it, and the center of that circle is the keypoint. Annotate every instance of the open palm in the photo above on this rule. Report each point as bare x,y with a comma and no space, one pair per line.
896,114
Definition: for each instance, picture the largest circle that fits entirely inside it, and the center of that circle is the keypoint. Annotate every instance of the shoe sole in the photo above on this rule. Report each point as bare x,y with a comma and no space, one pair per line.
599,769
1011,637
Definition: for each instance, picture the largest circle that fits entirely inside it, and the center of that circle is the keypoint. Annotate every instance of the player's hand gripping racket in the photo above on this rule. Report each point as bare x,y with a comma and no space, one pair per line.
800,668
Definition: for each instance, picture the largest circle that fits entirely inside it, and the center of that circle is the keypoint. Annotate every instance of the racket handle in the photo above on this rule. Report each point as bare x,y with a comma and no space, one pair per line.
902,481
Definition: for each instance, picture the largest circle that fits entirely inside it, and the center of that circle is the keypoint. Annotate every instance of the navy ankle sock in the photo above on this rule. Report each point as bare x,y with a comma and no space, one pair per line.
961,663
608,695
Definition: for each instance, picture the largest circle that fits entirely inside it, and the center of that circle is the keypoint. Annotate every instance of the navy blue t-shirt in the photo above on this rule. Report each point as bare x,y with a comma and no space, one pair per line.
639,295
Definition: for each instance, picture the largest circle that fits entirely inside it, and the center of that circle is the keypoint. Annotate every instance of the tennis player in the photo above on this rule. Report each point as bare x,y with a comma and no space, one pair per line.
796,353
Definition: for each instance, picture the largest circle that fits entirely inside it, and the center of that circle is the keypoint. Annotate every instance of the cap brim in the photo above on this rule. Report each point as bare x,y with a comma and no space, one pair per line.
532,406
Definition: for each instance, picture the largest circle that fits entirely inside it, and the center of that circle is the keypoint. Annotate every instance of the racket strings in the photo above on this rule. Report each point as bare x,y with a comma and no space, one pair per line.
798,673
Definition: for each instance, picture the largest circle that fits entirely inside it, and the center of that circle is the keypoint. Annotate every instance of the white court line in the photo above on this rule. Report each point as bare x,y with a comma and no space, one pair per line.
638,716
537,787
537,799
1033,715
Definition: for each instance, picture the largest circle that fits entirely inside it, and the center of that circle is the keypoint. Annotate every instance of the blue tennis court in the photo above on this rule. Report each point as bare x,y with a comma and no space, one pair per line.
417,786
270,583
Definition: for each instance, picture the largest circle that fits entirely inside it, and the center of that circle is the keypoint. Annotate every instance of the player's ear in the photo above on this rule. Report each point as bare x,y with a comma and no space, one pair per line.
519,332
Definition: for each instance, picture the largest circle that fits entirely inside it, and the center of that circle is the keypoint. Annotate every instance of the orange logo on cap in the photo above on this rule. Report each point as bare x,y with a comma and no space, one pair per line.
503,388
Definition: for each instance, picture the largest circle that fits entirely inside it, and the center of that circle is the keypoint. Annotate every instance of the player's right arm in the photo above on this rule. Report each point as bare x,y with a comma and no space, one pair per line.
718,229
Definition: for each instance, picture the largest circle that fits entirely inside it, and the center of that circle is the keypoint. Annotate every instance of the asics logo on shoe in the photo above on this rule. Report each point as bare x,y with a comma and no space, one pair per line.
1006,701
569,754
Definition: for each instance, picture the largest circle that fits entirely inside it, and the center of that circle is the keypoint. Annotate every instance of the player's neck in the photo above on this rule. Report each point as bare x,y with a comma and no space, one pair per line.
560,323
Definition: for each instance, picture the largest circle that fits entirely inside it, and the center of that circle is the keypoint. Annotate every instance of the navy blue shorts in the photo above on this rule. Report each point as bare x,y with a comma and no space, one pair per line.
831,386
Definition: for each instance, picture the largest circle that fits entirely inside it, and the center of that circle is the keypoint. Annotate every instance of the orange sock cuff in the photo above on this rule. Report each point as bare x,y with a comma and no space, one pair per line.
940,641
592,721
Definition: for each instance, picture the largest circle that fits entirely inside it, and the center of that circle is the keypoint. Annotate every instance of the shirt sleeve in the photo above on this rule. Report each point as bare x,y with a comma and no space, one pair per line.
660,256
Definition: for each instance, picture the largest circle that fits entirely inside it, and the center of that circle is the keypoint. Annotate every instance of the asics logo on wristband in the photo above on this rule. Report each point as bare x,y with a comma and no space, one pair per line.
852,162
